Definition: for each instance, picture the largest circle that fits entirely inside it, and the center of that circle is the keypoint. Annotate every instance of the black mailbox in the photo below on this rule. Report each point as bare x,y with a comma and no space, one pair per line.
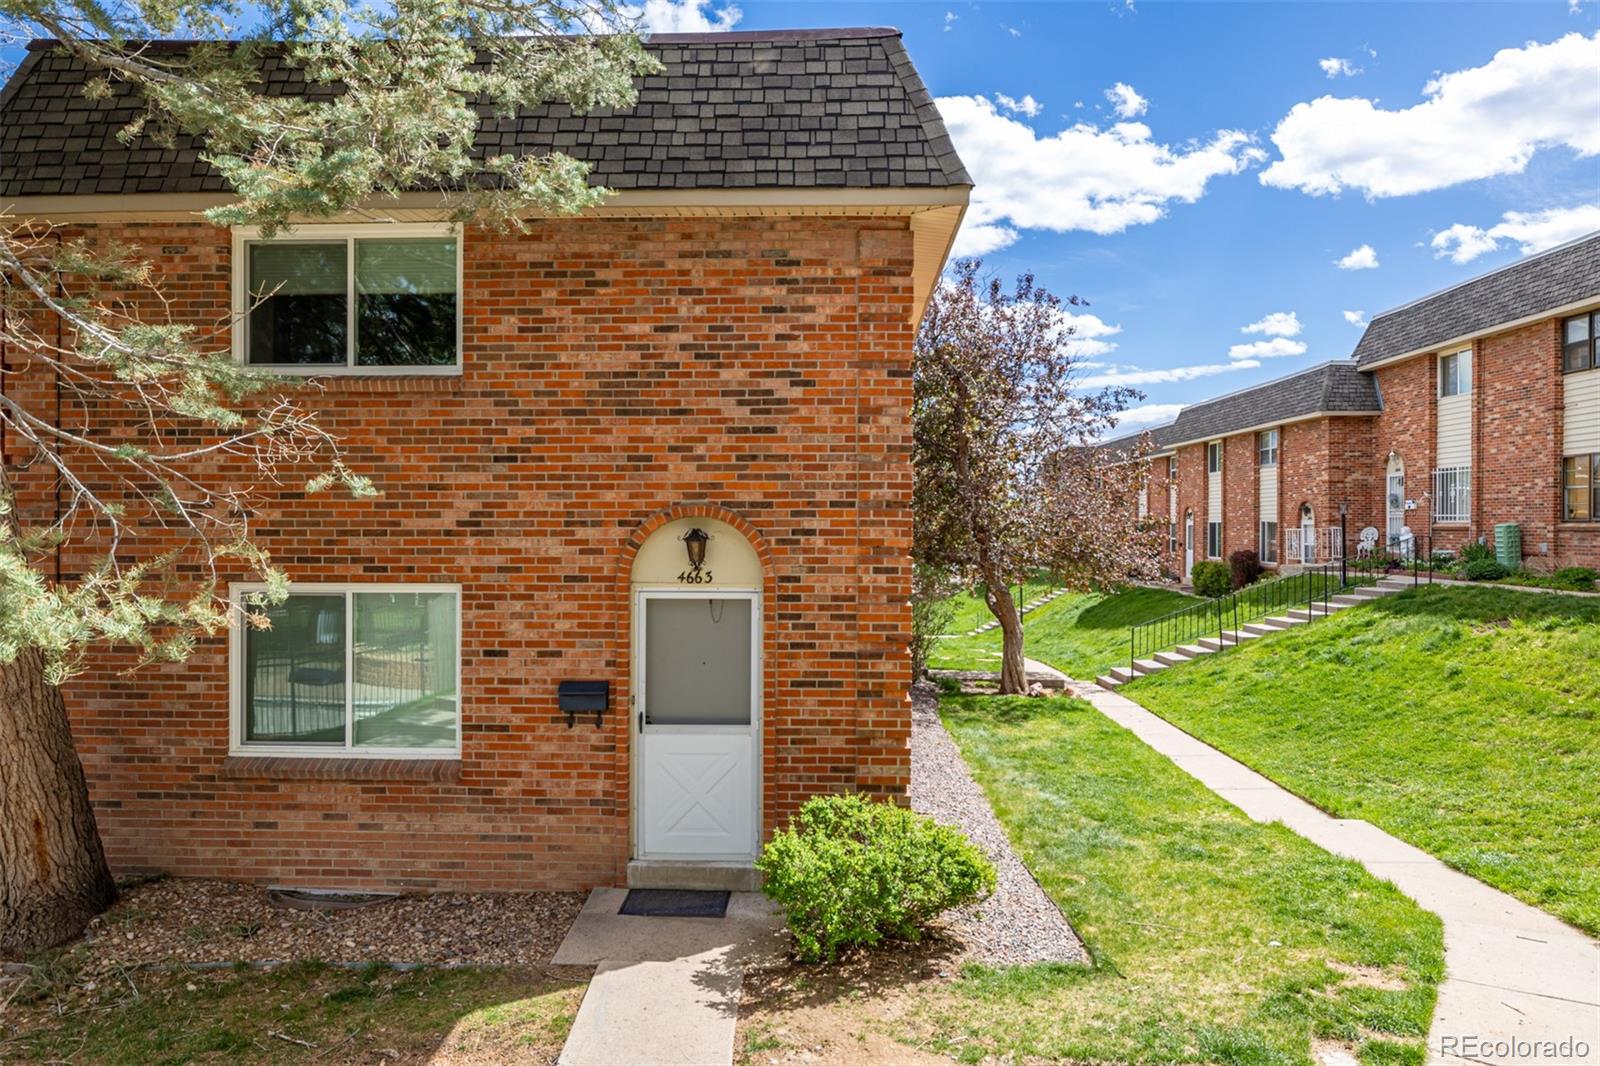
584,697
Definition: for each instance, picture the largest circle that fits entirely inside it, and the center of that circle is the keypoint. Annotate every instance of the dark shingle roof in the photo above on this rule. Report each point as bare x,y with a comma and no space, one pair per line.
1565,275
1332,388
780,109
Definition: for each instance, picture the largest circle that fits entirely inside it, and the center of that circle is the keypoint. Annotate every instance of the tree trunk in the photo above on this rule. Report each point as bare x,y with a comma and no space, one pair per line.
1013,675
53,873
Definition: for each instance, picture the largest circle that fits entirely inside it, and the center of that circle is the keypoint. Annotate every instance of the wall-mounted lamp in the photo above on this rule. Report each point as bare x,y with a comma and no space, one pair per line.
694,542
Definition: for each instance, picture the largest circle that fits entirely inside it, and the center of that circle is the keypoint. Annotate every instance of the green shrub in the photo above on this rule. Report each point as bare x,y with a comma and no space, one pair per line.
1211,579
1577,577
1484,570
1475,551
1244,567
851,872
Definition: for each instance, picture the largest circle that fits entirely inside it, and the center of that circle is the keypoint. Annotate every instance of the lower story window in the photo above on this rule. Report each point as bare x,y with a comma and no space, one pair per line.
1269,542
351,670
1213,540
1172,536
1580,488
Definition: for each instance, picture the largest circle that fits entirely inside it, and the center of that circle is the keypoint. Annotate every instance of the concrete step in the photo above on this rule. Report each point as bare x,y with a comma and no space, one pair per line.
1216,644
1347,600
1121,675
715,876
1193,650
1170,658
1260,629
1106,681
1147,666
1283,621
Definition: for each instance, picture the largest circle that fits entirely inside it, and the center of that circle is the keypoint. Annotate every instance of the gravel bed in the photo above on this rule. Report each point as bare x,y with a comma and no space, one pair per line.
184,921
1019,923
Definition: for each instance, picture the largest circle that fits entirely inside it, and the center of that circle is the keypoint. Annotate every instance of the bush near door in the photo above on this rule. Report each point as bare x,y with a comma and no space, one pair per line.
1211,579
850,872
1244,567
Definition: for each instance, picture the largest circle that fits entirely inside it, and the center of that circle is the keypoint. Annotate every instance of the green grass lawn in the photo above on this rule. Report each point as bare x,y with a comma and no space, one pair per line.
298,1013
1463,720
1215,939
1082,634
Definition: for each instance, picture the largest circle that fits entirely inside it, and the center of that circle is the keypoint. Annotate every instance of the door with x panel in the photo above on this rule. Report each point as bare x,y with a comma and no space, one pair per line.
698,723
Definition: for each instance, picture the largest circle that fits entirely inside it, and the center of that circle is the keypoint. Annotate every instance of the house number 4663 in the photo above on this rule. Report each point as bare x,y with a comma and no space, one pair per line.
695,577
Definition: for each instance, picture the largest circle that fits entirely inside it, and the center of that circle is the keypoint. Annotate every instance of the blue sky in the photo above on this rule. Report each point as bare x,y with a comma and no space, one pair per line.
1503,132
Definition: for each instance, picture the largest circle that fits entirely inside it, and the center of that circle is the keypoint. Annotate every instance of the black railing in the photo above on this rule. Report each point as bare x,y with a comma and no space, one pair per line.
1405,553
1310,590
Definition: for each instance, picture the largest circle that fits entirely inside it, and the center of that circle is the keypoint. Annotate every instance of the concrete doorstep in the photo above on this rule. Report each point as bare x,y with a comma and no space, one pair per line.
665,990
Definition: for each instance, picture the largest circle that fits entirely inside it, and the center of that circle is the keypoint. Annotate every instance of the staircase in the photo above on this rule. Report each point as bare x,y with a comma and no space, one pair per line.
1027,608
1226,637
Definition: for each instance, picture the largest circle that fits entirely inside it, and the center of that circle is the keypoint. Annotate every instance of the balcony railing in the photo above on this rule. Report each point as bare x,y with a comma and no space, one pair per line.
1325,545
1452,494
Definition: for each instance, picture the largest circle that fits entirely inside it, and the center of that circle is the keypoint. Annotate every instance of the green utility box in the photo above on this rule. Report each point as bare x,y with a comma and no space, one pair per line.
1508,545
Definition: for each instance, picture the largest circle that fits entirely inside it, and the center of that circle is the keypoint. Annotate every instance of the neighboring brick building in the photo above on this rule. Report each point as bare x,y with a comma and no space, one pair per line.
724,346
1474,406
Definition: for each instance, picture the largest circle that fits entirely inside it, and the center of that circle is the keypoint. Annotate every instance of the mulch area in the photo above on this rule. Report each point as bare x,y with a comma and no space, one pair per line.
187,921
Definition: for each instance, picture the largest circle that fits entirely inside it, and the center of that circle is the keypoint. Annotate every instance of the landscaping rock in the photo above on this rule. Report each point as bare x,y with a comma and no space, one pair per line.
1019,923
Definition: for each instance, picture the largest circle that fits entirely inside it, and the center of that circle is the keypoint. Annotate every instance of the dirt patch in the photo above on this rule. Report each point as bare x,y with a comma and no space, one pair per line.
851,1012
1368,977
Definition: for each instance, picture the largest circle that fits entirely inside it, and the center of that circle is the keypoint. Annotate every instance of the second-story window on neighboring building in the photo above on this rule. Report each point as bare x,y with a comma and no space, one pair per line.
1580,345
1214,457
351,299
1172,468
1580,488
1267,448
1455,379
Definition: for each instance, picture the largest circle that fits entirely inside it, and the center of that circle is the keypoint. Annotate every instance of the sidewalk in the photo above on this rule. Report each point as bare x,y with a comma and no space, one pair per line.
1514,975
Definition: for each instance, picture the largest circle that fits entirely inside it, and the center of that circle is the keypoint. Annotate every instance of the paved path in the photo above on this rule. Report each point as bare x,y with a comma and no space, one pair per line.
1512,972
665,990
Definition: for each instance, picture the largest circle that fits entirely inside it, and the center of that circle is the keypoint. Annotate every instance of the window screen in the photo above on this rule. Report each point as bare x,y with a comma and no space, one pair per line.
697,661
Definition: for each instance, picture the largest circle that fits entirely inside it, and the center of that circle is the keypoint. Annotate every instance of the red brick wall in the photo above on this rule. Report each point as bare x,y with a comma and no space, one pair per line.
1516,465
1192,498
756,368
1239,501
1406,427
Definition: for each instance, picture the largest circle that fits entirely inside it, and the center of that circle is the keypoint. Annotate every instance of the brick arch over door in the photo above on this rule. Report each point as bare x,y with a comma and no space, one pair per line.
622,670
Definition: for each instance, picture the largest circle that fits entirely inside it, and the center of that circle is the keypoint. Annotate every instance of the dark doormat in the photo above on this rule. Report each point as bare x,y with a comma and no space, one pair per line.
675,903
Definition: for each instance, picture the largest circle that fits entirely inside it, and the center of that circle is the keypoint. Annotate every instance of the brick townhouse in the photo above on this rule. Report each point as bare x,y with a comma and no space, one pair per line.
638,581
1472,407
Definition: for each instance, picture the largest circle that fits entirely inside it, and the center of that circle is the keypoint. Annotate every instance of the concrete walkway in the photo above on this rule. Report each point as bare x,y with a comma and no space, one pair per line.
665,990
1514,975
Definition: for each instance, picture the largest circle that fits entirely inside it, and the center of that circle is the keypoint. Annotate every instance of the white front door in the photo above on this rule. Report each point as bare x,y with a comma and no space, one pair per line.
1188,546
1397,507
1308,539
698,676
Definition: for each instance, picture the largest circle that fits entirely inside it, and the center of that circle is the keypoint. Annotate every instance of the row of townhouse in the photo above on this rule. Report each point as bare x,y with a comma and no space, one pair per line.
1473,407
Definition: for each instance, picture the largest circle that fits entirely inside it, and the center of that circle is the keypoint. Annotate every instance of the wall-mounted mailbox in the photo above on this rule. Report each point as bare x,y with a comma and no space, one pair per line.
584,697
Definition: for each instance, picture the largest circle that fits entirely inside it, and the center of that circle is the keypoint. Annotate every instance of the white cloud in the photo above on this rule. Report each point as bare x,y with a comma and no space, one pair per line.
1011,30
1149,414
1273,349
1356,318
683,16
1088,334
1026,106
1082,178
1533,231
1362,258
1474,124
949,20
1277,324
1335,67
1126,101
1134,376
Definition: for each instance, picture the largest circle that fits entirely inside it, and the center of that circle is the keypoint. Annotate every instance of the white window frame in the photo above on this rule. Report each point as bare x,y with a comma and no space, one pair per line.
1463,384
243,236
237,745
1214,448
1267,552
1210,525
1267,454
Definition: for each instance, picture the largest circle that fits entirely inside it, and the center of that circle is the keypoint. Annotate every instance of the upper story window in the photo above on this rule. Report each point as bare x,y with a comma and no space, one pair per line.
1172,468
1267,448
378,299
1455,374
1214,457
1580,342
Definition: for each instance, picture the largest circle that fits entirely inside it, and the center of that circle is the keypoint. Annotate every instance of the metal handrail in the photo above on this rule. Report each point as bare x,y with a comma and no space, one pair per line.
1311,585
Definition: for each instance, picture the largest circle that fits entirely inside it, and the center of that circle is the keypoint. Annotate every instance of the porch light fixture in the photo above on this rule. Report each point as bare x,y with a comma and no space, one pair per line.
694,542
